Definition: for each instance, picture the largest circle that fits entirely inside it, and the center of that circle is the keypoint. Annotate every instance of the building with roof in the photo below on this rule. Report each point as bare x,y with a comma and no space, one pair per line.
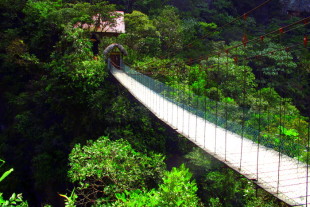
106,28
100,29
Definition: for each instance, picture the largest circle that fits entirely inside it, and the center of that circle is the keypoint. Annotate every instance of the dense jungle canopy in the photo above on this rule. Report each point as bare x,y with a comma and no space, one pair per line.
71,135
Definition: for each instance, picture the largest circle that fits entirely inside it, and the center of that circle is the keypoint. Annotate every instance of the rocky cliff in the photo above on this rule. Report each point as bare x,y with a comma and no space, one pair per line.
302,6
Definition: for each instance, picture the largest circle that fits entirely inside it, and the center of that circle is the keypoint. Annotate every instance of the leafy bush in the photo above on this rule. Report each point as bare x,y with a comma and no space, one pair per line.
103,168
177,190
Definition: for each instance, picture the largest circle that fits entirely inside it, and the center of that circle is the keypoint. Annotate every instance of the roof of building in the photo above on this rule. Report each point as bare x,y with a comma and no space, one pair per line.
108,27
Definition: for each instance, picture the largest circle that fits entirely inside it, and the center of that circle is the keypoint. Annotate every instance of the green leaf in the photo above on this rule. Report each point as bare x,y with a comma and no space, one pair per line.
6,174
1,199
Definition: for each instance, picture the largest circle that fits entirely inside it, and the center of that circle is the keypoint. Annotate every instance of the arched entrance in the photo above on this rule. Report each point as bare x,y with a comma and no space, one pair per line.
114,54
115,58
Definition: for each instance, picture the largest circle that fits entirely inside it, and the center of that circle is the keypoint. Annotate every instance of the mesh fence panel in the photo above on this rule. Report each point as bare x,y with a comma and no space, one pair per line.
241,121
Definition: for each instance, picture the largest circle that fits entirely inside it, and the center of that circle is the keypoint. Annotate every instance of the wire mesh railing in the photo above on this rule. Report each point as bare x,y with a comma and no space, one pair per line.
240,120
235,135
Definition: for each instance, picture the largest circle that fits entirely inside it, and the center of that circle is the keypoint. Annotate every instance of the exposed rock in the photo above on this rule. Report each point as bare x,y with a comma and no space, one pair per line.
296,6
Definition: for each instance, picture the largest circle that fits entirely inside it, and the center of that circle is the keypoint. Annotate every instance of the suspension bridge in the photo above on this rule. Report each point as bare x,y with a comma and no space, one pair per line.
279,174
225,131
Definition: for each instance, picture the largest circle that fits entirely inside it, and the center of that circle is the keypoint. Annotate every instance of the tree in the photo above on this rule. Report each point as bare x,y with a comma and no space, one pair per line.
177,189
50,80
141,36
169,25
103,168
149,6
46,20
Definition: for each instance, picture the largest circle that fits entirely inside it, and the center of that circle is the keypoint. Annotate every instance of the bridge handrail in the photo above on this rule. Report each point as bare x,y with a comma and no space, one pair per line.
227,116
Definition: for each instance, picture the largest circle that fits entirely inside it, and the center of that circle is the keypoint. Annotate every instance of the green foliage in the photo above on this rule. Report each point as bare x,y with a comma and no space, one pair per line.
175,184
18,53
177,189
112,166
169,25
123,121
55,94
221,186
273,61
141,35
150,6
231,93
227,75
73,62
45,21
59,13
6,173
14,200
219,12
139,23
70,201
215,202
206,25
200,160
193,35
50,80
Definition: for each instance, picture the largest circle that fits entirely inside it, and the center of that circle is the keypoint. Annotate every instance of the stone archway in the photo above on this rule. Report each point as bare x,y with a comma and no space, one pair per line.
115,57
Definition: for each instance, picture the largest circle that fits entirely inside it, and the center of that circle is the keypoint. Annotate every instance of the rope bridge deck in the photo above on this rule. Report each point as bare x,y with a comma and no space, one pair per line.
279,174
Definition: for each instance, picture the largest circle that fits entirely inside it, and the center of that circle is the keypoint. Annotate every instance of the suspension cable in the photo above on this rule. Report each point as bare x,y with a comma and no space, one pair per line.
278,32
